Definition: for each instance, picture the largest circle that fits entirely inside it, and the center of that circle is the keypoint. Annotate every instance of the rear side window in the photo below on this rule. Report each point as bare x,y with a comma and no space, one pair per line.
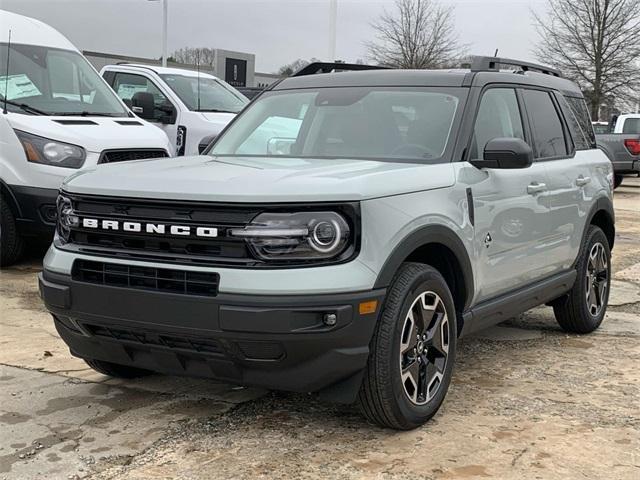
498,116
631,125
581,114
548,134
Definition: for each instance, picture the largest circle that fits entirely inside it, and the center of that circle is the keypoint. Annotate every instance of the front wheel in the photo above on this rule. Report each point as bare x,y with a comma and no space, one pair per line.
582,309
11,244
412,351
617,181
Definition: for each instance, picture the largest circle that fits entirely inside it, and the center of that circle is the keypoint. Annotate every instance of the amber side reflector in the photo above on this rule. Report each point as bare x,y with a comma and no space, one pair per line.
368,307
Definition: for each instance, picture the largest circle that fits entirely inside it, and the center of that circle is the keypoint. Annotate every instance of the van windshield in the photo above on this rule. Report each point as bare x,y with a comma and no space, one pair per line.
206,94
50,81
412,123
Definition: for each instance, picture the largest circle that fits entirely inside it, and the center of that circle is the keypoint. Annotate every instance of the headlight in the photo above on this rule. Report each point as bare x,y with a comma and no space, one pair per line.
297,236
51,152
66,218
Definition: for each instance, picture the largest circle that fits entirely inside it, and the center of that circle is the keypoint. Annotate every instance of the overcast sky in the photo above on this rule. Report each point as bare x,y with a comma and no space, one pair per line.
276,31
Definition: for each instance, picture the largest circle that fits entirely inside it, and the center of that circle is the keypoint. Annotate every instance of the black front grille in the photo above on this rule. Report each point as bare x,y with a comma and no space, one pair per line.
147,278
112,156
158,339
221,250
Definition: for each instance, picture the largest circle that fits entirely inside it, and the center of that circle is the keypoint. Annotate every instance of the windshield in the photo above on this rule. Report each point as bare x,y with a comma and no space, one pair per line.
214,96
346,122
49,81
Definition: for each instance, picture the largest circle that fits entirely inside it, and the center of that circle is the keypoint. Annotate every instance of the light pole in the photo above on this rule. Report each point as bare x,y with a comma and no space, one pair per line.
165,4
333,17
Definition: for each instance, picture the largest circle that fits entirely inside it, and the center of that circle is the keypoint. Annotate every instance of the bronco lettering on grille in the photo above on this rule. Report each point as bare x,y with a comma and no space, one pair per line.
151,228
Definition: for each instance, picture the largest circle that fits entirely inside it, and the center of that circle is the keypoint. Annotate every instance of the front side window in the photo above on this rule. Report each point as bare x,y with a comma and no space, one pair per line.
206,94
346,122
547,128
498,117
54,82
127,85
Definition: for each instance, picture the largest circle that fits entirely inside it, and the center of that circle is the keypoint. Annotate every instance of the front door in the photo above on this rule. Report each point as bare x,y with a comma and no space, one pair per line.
127,84
510,205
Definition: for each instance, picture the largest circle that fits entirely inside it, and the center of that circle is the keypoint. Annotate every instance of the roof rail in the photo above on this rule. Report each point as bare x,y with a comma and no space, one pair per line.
328,67
486,64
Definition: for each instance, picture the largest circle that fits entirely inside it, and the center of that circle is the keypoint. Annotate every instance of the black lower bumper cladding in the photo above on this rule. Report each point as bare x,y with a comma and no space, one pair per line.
277,342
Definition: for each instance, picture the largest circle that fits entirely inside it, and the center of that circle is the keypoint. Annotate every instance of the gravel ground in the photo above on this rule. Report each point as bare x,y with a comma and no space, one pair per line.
527,402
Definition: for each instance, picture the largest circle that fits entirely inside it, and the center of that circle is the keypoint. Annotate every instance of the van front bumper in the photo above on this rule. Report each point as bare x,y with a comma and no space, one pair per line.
36,216
276,342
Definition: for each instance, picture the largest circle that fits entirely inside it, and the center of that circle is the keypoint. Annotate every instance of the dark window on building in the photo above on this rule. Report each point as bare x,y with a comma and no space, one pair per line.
548,134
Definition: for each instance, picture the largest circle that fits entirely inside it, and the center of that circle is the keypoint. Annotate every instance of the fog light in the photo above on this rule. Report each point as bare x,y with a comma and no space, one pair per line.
330,319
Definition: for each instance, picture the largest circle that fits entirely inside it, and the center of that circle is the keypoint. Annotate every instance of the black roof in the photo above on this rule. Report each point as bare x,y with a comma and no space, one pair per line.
475,76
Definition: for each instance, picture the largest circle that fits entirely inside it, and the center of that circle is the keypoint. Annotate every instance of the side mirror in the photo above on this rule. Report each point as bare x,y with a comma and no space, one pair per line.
205,142
143,105
506,153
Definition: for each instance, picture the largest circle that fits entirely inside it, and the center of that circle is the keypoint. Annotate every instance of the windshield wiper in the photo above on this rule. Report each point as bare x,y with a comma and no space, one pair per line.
24,107
214,110
86,114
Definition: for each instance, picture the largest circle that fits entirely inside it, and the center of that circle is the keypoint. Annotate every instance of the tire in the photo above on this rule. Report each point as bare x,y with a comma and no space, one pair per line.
11,244
576,312
115,370
617,181
387,396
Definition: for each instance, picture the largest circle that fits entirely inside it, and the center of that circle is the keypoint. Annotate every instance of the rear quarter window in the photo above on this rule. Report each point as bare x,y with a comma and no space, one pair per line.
631,125
581,114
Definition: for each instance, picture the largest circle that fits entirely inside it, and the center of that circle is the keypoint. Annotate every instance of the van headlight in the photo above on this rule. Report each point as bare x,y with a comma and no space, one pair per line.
51,152
67,219
297,236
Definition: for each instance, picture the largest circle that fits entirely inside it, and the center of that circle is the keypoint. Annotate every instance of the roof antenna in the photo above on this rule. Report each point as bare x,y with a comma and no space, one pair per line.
198,70
496,54
6,79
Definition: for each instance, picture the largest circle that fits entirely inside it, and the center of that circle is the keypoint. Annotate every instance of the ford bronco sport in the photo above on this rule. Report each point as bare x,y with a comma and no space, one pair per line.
341,234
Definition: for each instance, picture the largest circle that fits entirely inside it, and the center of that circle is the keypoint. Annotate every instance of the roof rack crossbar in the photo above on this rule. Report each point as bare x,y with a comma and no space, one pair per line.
328,67
484,64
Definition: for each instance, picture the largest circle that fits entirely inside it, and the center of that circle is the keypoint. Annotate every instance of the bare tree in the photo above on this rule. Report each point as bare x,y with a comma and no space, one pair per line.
192,56
595,43
417,34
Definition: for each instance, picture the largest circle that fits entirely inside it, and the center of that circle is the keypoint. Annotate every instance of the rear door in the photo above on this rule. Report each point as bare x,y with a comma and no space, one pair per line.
510,205
570,181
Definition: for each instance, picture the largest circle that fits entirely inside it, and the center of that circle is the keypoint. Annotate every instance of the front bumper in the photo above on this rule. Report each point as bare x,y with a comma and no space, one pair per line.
36,211
276,342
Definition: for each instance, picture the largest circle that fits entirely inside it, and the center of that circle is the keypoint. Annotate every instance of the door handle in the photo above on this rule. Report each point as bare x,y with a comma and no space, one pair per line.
536,187
582,181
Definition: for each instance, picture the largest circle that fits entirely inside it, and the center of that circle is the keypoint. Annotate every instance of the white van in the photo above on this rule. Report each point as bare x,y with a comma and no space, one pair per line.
58,116
188,105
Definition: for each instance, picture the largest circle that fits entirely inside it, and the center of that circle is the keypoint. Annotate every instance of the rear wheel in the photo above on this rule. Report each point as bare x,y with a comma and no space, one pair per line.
412,351
584,307
11,244
116,370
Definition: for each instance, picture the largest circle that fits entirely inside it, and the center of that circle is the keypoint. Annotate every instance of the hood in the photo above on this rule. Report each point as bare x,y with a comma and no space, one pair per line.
258,179
218,119
94,134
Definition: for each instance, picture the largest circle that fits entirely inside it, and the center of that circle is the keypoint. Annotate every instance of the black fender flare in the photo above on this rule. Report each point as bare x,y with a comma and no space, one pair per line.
10,198
423,236
602,204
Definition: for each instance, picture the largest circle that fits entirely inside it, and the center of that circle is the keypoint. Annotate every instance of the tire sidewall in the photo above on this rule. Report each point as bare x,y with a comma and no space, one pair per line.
427,280
595,235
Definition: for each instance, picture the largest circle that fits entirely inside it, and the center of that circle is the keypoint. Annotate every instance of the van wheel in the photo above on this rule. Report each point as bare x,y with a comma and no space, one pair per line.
11,244
412,351
617,181
584,307
116,370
